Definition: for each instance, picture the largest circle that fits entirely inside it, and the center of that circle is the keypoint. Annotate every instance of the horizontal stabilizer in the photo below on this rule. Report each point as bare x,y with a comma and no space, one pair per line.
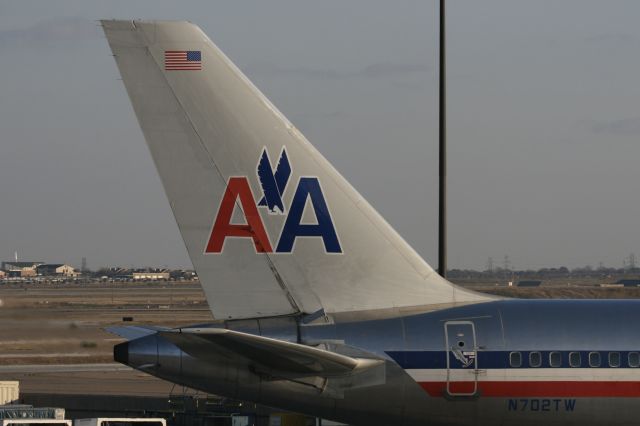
279,357
133,332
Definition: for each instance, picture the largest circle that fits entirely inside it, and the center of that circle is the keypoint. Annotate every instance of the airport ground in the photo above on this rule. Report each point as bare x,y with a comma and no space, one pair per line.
64,323
61,329
52,336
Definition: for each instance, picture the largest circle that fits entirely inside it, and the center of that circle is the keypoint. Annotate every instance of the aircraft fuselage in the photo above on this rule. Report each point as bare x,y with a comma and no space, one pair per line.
511,362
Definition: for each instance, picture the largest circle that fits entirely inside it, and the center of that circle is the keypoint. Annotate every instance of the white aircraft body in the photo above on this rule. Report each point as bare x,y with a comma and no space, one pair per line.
320,306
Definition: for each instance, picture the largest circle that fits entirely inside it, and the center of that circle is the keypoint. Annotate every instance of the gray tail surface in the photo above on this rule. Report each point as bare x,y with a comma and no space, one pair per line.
270,226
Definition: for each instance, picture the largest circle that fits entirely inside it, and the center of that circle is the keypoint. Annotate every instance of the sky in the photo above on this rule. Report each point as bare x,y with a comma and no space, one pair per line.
544,123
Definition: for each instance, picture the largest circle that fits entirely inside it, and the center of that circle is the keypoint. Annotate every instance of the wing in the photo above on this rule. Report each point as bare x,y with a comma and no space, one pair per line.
286,359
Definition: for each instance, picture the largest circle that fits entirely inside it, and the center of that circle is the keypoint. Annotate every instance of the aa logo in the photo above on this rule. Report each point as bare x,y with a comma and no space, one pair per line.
274,183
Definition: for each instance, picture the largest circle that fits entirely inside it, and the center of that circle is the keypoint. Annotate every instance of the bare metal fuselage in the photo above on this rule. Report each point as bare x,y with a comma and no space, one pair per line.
454,366
212,135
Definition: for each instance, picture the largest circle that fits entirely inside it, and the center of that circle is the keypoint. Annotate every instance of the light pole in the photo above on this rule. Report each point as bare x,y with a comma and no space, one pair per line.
442,132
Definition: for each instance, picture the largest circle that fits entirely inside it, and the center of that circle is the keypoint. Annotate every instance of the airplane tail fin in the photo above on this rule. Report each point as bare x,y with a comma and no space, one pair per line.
270,226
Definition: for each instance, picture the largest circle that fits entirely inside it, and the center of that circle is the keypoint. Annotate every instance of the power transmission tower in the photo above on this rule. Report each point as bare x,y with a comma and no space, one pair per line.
631,263
490,265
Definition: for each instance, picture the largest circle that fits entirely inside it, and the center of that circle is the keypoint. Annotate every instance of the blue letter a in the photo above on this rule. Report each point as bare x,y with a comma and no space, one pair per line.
308,187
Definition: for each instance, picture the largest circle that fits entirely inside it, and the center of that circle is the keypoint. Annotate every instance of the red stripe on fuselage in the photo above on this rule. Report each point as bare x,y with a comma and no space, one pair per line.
540,389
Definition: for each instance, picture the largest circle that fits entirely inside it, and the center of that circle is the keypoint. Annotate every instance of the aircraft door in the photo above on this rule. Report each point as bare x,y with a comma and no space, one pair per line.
462,359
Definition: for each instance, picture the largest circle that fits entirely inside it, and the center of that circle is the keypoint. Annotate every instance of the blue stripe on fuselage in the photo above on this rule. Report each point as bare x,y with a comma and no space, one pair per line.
496,359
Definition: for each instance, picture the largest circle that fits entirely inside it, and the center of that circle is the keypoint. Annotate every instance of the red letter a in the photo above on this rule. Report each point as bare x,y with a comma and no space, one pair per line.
238,188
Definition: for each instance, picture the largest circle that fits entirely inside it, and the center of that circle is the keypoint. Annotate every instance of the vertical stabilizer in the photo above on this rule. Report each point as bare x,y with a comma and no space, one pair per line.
270,226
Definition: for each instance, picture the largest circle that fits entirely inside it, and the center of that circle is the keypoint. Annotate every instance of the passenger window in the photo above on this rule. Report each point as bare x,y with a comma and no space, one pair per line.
535,359
515,359
614,359
594,359
634,359
574,359
555,359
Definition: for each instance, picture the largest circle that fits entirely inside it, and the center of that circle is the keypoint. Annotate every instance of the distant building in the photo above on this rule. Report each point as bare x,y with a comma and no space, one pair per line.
59,269
21,269
529,283
115,273
629,282
151,274
183,275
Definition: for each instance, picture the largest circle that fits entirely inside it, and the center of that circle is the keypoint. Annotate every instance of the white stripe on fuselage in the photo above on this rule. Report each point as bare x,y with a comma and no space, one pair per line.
533,374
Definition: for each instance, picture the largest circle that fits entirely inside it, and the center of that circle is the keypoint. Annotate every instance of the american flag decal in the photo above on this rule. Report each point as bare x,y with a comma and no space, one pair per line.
182,60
